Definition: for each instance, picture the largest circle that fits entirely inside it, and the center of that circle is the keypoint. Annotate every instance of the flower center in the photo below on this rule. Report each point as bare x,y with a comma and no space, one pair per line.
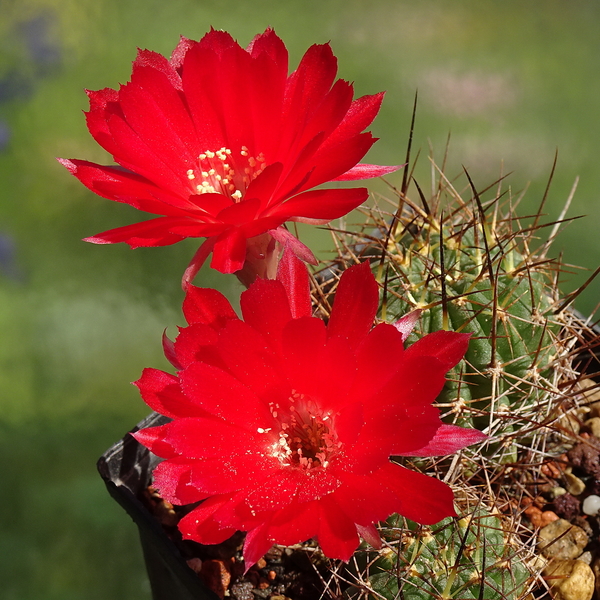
307,439
225,172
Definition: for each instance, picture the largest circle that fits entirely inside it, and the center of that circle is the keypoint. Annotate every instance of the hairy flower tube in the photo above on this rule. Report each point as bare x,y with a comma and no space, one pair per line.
222,143
284,424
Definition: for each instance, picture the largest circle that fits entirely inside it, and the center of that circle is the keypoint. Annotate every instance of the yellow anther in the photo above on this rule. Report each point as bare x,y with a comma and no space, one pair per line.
190,174
210,154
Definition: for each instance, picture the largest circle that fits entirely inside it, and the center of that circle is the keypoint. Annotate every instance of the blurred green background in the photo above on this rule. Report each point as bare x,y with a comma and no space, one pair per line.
512,81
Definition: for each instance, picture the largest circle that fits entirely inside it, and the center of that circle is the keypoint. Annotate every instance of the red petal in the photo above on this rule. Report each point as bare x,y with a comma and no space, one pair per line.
132,152
169,351
265,307
161,392
156,61
208,306
360,115
154,232
117,184
391,429
102,103
229,251
256,545
447,346
406,324
320,204
221,395
355,305
212,476
200,67
338,159
370,534
293,274
270,44
365,499
276,492
449,439
154,439
201,438
424,499
178,54
364,171
378,359
200,525
305,90
197,342
240,213
172,479
330,112
332,366
264,186
418,381
285,238
349,422
337,533
153,106
197,262
249,359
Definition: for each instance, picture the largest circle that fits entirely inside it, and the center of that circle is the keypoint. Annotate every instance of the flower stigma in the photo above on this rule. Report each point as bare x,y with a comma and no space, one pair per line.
222,172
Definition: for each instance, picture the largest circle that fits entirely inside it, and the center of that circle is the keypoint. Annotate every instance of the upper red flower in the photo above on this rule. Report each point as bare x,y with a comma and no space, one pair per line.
284,424
223,143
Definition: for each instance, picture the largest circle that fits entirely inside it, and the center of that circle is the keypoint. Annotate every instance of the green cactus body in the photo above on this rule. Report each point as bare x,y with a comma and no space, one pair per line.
468,267
510,317
467,558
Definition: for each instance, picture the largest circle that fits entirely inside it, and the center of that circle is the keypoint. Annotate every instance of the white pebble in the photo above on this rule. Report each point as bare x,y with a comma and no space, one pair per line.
591,505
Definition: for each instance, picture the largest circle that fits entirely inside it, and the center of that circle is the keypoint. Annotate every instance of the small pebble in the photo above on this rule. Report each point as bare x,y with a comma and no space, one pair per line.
570,580
567,506
561,540
574,485
591,505
594,425
195,564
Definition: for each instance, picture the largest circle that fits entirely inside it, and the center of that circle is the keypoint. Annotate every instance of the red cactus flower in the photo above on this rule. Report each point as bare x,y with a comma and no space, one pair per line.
284,424
222,143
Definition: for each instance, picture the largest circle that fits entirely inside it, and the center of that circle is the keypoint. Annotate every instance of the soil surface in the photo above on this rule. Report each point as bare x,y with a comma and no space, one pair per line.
284,573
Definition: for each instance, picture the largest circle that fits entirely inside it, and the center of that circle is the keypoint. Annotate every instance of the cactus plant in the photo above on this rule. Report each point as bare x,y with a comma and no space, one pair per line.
463,260
471,557
467,265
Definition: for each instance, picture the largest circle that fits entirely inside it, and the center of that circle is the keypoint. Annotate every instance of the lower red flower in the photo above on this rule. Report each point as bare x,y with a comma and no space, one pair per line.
284,425
222,142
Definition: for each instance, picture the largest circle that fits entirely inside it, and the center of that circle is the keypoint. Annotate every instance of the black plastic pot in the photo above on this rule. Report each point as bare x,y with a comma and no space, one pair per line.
126,469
